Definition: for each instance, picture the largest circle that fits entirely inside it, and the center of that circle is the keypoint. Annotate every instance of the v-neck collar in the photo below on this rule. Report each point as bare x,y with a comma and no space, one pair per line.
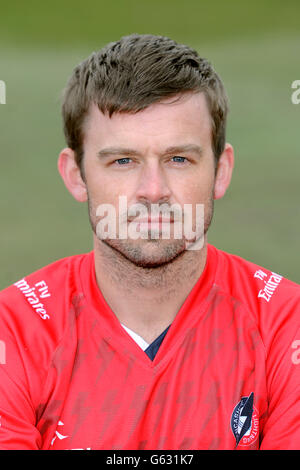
110,329
137,338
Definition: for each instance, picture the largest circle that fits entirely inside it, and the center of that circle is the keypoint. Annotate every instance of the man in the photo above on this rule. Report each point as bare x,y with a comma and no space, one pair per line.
149,341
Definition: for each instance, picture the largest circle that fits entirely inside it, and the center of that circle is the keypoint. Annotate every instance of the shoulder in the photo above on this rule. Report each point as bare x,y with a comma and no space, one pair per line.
272,300
39,301
252,282
36,317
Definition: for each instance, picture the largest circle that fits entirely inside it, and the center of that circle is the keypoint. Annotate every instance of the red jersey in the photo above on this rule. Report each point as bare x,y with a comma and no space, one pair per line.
226,375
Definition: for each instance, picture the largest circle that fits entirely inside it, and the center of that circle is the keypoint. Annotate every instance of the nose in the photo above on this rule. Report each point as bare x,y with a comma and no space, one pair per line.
153,184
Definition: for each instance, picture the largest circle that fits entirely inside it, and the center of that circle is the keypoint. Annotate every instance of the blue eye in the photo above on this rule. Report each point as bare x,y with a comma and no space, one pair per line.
122,161
178,159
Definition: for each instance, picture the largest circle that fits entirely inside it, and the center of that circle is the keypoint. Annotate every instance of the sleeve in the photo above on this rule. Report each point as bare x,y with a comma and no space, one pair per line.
282,427
17,413
20,382
32,387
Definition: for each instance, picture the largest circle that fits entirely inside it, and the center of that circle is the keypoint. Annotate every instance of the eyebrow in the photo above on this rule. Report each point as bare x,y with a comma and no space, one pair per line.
106,152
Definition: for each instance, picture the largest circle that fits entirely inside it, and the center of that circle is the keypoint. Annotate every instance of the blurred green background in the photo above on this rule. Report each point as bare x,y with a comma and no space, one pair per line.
255,47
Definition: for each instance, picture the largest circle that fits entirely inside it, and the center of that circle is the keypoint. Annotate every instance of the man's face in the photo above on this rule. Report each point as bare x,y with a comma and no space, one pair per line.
161,155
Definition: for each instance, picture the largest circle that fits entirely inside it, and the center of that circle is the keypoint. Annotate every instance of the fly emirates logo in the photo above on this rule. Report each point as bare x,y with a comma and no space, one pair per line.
271,284
34,295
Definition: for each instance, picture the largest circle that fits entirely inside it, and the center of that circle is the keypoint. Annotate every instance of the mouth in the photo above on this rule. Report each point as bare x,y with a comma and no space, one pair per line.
160,218
154,222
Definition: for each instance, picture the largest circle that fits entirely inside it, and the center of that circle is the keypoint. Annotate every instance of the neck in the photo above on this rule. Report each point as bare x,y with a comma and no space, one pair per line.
146,300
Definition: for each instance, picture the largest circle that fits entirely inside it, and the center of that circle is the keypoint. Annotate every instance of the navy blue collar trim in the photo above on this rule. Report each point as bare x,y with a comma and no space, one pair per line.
152,349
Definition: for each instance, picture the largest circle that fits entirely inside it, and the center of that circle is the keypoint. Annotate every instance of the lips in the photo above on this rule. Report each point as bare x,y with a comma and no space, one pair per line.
155,220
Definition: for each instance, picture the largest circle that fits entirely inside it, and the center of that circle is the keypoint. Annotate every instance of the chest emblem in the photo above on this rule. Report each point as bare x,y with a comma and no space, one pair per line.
245,422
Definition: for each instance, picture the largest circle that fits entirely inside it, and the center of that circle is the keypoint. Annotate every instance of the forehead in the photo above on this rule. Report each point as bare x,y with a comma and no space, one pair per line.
181,117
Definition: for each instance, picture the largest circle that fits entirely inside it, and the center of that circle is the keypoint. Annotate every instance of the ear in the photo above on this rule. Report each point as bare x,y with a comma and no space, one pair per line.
224,171
70,173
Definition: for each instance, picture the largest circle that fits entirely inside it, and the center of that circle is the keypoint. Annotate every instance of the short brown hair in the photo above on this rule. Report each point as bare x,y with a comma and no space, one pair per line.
138,70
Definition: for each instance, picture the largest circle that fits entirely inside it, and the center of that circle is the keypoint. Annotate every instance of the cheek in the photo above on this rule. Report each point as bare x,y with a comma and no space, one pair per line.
112,194
102,189
199,191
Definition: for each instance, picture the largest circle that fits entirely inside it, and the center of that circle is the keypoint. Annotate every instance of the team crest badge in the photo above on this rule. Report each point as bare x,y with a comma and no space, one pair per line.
245,421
